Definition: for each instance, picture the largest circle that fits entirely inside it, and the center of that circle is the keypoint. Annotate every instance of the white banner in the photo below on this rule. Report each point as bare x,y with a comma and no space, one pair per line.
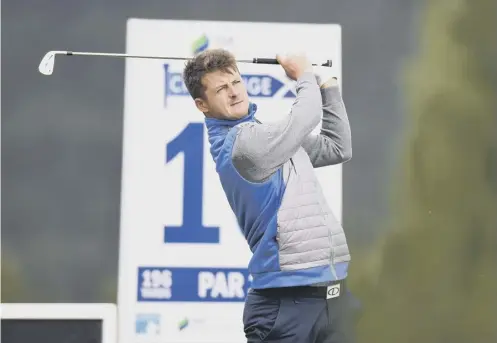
183,258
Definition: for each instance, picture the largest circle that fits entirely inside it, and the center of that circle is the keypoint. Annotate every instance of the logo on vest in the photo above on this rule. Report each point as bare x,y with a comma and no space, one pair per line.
333,291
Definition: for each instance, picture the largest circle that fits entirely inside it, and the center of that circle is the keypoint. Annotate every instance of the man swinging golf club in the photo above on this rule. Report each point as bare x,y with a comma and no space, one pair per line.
300,253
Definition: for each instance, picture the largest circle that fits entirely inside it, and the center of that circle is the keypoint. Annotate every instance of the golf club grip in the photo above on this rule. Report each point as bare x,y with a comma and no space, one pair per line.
266,60
328,63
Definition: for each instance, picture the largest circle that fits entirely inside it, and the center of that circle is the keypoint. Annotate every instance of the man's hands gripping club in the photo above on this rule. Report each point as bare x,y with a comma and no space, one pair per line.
294,65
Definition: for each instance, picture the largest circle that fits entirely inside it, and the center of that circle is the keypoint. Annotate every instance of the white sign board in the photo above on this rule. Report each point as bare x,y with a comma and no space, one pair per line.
183,258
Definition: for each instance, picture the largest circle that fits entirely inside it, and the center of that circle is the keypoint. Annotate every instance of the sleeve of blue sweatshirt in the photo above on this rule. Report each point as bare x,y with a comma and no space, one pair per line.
261,148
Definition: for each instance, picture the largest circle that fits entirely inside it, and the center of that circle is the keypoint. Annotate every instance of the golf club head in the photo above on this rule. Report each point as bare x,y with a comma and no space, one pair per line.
47,63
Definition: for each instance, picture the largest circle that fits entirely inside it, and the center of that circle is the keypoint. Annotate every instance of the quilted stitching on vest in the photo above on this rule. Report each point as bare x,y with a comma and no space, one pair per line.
309,235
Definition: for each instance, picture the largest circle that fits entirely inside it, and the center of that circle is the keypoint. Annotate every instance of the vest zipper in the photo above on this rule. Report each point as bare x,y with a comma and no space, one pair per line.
330,236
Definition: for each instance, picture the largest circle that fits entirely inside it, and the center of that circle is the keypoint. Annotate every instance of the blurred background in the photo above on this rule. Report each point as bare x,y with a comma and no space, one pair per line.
420,194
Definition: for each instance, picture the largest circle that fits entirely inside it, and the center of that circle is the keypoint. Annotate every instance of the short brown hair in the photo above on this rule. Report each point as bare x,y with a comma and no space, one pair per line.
206,62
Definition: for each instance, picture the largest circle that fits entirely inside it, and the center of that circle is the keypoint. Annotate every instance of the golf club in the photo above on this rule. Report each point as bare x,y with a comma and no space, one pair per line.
47,64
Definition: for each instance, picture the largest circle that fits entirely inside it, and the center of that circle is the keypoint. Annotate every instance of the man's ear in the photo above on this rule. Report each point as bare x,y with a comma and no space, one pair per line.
201,105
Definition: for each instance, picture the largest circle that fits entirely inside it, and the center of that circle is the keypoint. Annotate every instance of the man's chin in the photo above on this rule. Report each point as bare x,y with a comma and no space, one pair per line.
239,111
238,115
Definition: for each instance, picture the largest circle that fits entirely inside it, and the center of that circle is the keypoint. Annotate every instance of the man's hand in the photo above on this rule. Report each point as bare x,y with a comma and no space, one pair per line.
294,65
326,77
325,81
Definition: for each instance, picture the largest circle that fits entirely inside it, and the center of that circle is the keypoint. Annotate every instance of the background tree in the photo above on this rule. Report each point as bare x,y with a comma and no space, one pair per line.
437,280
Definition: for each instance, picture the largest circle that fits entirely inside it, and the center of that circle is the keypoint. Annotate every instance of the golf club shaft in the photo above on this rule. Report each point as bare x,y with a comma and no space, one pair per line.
254,60
73,53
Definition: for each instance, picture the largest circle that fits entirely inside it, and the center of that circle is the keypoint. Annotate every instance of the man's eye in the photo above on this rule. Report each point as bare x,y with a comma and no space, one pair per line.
236,81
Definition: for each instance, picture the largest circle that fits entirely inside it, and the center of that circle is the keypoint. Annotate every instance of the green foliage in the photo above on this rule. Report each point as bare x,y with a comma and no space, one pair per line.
108,290
437,276
13,285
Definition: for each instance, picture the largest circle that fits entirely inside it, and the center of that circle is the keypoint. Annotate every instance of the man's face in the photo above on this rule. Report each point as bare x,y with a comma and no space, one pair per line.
225,96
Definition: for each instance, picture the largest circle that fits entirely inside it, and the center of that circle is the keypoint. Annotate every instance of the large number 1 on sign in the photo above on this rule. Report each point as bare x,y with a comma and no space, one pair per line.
191,142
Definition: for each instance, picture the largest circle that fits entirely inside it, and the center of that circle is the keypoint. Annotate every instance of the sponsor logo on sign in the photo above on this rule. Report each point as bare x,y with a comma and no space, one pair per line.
205,42
183,324
147,324
200,44
190,322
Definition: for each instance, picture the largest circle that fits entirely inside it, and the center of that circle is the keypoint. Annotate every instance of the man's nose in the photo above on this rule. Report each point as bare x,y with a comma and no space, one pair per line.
233,92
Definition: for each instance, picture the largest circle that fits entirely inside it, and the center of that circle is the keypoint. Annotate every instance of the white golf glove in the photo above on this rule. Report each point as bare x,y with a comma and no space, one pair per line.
325,77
